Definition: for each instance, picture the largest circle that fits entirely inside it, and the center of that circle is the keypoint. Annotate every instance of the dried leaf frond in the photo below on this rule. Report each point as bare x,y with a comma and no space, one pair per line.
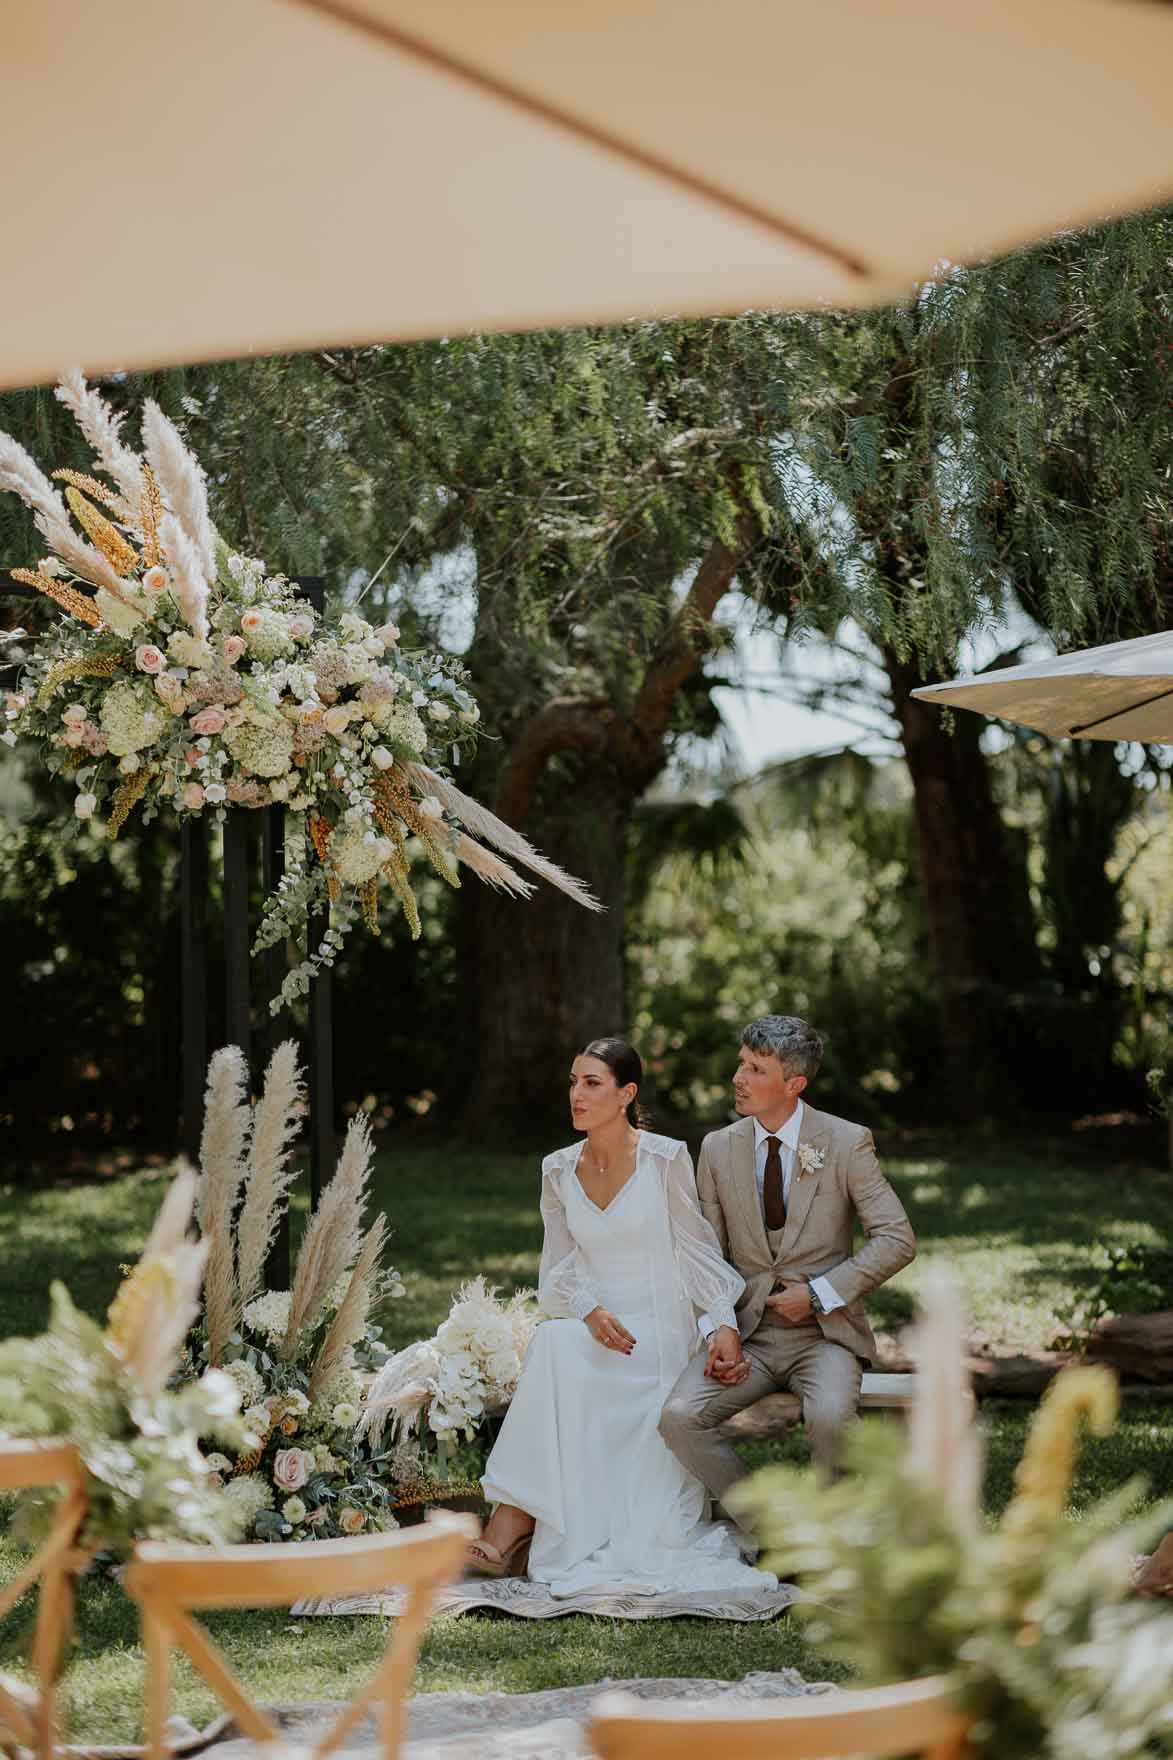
482,823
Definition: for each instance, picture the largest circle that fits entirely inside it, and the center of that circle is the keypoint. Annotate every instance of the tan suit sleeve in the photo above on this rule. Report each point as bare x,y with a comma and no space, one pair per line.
891,1243
706,1191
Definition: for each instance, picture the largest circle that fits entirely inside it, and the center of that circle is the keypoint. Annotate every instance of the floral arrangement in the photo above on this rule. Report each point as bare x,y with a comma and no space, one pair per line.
105,1390
185,675
298,1358
1034,1620
439,1396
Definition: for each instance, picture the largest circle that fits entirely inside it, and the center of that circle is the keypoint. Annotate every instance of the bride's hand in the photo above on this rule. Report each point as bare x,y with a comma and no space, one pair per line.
610,1332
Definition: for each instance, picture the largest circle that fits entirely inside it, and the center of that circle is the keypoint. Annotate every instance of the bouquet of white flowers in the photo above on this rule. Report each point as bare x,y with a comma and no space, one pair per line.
438,1396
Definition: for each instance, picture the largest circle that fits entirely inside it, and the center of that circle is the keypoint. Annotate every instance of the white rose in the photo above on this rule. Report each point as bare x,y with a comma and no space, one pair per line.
381,758
84,804
129,764
215,792
439,711
431,808
72,734
337,719
470,716
75,714
301,626
218,1463
257,1418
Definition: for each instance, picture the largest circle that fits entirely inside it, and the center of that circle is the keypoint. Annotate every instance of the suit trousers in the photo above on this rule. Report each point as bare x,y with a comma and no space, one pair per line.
781,1356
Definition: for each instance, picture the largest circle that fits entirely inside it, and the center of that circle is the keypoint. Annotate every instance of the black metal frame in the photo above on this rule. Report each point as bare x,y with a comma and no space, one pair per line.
239,864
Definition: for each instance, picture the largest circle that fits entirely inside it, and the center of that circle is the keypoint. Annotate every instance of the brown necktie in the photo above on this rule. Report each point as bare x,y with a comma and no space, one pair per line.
773,1194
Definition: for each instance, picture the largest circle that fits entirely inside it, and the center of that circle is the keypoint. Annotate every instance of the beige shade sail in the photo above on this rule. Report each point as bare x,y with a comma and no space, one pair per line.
184,181
1121,691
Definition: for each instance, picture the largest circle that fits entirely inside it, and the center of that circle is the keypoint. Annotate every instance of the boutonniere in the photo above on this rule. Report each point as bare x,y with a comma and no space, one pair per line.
810,1159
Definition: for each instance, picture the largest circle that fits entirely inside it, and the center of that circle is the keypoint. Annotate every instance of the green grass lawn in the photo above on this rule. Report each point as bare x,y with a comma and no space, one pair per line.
1021,1222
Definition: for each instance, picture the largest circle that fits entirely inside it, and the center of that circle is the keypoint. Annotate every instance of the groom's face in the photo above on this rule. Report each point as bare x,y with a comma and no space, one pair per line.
762,1088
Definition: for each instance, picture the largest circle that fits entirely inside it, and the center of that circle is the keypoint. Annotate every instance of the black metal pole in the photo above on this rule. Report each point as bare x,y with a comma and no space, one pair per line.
237,1018
193,980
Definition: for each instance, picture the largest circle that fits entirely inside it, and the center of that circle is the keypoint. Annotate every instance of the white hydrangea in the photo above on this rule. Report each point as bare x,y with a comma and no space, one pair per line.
132,717
266,631
269,1314
122,619
247,1496
247,1380
262,744
187,650
354,858
401,723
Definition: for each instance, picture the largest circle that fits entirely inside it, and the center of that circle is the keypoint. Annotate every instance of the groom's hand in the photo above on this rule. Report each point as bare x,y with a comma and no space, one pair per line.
792,1302
726,1362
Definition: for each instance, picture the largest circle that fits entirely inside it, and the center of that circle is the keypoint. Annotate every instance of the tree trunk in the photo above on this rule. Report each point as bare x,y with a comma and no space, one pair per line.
544,975
974,882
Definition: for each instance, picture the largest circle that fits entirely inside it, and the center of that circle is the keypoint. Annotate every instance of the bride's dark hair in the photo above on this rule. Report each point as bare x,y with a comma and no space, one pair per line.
626,1065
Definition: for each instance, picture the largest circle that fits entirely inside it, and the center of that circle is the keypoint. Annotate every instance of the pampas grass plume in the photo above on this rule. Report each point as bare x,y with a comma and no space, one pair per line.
479,820
270,1169
350,1321
222,1151
943,1444
332,1238
102,428
183,485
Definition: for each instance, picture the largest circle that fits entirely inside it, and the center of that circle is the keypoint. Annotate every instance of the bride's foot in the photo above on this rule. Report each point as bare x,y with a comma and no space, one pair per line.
487,1560
503,1548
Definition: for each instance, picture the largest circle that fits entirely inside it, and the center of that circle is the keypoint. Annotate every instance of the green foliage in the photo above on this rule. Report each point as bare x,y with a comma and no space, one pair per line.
144,1475
1034,1630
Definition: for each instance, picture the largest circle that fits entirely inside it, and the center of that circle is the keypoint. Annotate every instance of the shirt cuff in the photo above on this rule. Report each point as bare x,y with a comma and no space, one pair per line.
708,1323
706,1326
827,1294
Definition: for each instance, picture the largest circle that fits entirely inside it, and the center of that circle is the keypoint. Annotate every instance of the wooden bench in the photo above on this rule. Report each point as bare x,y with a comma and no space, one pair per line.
777,1411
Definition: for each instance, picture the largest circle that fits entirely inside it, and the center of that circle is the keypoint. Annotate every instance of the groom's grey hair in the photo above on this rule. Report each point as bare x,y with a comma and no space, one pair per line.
791,1040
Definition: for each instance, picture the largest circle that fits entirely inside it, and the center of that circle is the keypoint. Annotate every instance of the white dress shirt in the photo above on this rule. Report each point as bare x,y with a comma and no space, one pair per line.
787,1136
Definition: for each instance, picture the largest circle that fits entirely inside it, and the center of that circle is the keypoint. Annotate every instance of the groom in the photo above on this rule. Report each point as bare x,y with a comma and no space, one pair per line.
784,1188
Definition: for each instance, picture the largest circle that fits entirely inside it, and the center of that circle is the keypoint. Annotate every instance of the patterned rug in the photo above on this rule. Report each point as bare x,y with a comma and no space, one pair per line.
526,1600
501,1726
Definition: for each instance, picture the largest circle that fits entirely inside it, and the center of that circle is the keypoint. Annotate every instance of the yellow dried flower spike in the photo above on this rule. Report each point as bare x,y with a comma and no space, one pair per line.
79,666
150,513
320,835
368,894
129,794
121,555
91,486
128,1310
69,599
397,869
1044,1473
392,788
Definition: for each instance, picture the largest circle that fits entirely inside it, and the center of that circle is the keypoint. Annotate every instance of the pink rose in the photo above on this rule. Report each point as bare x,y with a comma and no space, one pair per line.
301,627
234,647
193,796
149,659
291,1468
192,756
352,1521
209,720
155,580
94,740
169,689
252,621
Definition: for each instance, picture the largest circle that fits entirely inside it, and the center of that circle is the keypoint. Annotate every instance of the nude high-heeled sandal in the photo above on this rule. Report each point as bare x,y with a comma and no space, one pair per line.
485,1560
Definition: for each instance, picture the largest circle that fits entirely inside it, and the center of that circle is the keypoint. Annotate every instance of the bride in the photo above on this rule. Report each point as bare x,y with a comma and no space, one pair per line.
584,1485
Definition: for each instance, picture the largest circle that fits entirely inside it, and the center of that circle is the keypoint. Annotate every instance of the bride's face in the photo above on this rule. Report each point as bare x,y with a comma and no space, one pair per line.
596,1099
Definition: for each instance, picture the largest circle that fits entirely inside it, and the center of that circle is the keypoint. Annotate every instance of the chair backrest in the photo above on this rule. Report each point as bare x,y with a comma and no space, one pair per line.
915,1717
22,1466
168,1581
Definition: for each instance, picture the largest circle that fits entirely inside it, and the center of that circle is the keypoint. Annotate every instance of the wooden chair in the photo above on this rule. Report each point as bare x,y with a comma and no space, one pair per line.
916,1717
167,1581
26,1718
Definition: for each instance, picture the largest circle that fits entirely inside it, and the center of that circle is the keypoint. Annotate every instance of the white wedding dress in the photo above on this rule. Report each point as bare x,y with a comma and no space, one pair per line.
579,1448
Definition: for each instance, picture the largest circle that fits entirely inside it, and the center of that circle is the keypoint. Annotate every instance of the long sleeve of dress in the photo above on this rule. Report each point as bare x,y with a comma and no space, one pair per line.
563,1290
710,1282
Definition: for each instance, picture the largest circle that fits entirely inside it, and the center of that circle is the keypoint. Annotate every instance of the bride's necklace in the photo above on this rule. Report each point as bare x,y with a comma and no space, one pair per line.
603,1168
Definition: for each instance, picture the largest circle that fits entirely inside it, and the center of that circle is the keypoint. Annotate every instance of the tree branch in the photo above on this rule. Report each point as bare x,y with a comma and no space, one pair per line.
565,724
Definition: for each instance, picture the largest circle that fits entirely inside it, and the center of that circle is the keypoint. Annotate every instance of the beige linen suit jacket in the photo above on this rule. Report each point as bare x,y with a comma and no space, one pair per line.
817,1241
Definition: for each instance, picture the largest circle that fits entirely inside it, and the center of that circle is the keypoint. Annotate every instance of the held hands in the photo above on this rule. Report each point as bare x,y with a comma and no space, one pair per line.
726,1361
792,1302
606,1330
